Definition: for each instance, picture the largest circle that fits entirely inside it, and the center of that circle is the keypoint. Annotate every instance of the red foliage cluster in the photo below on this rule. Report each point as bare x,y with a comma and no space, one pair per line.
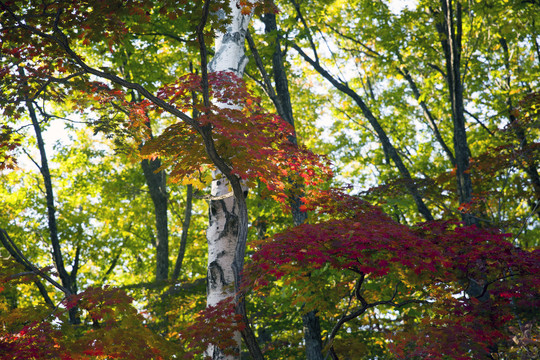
358,237
8,144
445,258
528,110
214,325
474,251
99,302
37,340
252,142
459,329
473,326
116,331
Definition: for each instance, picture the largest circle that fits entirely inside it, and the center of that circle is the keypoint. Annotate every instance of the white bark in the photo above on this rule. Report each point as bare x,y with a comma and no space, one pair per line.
223,229
230,55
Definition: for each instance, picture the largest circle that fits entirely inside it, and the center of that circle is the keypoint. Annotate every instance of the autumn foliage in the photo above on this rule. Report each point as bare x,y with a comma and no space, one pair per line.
8,144
112,328
254,143
373,275
471,284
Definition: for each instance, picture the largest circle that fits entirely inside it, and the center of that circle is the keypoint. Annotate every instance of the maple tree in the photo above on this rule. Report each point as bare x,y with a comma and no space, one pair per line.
376,259
151,118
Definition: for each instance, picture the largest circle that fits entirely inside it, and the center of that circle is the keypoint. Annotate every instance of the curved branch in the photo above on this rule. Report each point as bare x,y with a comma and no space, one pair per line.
62,41
427,113
388,147
311,42
269,89
365,306
14,251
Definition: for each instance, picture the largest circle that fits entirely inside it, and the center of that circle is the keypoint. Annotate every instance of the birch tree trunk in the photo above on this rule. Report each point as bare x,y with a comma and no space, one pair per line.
227,227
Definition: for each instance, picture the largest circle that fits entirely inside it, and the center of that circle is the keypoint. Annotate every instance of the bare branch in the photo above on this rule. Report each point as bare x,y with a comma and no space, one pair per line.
301,17
479,122
365,306
268,87
14,251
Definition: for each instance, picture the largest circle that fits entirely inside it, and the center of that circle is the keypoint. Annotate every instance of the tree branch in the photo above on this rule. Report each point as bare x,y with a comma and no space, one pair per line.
427,114
365,306
479,122
14,251
185,229
310,38
381,134
62,41
269,89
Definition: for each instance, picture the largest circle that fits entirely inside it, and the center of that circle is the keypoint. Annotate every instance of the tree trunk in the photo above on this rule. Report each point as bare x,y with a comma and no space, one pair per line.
185,229
427,114
387,145
450,33
158,192
68,280
312,327
157,187
227,227
529,165
312,336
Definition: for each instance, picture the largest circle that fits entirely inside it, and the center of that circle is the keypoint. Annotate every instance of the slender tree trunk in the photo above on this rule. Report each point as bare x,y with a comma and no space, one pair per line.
387,145
189,205
427,114
450,30
227,227
158,192
185,229
157,187
529,165
312,327
68,280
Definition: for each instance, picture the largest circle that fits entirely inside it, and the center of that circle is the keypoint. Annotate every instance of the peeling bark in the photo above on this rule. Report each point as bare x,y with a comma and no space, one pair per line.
227,229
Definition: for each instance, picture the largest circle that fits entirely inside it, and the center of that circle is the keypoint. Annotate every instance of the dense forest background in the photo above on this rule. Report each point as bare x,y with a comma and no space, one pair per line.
386,152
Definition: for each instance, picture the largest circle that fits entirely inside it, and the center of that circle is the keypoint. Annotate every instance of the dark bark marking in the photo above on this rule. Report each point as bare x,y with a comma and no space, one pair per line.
235,37
216,277
213,209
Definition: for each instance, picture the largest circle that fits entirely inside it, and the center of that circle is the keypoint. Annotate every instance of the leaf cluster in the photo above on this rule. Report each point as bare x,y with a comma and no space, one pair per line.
253,143
435,264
